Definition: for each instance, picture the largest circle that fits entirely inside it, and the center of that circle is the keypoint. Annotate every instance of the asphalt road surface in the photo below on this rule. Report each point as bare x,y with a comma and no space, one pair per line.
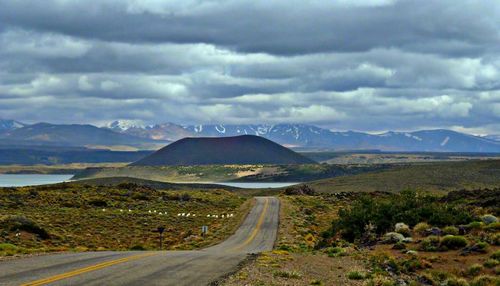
197,267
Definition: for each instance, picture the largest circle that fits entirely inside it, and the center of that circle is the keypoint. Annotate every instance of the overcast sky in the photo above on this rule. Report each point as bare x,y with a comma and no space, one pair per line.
368,65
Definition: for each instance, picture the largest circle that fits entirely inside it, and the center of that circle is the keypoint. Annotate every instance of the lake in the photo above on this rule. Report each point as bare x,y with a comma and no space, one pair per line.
256,185
21,180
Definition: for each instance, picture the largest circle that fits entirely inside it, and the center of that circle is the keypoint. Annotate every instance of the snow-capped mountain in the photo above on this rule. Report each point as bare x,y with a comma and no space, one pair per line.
65,135
309,136
9,125
124,125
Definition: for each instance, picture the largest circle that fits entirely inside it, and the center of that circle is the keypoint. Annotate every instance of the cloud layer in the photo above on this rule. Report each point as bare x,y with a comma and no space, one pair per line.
363,65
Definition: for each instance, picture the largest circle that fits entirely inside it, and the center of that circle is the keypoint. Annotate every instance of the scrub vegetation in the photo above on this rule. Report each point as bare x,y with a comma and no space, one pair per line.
382,238
78,217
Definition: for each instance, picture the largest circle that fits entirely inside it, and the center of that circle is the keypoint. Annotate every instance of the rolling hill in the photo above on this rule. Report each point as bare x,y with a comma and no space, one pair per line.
432,177
245,149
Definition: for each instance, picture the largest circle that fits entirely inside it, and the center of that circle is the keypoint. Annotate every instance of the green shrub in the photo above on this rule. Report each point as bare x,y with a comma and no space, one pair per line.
384,212
495,226
335,251
485,280
7,247
450,230
356,275
482,246
453,241
487,219
411,265
454,281
430,243
21,223
474,270
138,247
496,255
421,227
475,225
490,263
287,274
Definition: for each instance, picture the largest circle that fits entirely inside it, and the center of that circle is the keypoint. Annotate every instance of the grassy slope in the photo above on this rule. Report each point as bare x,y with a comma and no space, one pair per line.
209,173
54,169
73,217
443,176
221,173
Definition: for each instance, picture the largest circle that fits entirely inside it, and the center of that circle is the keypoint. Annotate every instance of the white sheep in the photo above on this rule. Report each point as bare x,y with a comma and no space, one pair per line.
160,213
103,210
222,216
179,214
208,215
188,215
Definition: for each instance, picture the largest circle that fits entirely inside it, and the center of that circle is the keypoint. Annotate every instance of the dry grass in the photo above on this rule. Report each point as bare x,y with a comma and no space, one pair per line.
80,217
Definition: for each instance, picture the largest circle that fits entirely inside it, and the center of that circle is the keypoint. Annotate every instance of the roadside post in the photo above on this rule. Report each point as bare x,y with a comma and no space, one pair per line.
161,229
204,230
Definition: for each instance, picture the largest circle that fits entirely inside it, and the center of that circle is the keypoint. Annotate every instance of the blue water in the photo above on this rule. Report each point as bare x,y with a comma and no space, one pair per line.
8,180
11,180
253,185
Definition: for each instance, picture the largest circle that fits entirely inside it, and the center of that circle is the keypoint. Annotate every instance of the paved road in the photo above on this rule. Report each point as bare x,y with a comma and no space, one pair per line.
199,267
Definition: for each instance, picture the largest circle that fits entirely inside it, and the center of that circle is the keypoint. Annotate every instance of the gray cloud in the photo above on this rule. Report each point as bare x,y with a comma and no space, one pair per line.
363,65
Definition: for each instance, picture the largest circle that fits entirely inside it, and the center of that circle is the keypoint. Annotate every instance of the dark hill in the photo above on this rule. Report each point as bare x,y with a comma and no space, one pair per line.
246,149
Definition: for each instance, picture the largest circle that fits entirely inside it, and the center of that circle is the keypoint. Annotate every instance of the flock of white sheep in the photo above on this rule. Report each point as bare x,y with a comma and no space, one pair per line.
152,212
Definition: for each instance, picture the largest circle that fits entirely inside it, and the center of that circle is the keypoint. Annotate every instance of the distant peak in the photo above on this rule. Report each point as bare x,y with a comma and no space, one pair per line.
126,124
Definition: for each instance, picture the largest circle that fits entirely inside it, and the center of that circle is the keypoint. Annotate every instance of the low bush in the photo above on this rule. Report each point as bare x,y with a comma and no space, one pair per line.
335,251
494,226
7,247
485,280
496,255
491,263
421,227
385,211
450,230
487,219
98,203
300,191
453,241
474,270
454,281
403,229
21,223
430,243
287,274
475,225
138,247
356,275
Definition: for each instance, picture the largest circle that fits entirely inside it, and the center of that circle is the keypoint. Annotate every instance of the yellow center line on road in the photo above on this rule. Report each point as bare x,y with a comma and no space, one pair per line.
86,269
257,227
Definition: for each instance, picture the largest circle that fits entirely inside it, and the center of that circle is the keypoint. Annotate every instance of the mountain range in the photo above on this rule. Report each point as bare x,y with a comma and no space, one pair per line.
72,135
300,136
